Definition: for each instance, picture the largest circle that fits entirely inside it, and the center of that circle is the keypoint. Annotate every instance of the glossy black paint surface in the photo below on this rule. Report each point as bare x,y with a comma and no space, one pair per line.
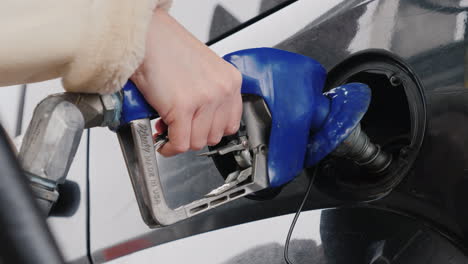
356,236
422,34
430,37
364,235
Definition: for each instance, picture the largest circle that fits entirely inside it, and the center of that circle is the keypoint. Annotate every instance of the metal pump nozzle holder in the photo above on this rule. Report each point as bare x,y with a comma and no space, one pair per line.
53,136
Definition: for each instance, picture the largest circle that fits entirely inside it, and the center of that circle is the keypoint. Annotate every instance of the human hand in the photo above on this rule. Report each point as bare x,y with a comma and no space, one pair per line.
196,93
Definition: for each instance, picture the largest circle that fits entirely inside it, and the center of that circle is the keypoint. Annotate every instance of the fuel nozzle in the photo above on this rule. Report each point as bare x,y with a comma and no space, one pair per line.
358,148
289,124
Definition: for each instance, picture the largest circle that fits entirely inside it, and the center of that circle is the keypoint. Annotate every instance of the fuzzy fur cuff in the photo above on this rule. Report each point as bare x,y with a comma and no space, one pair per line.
112,46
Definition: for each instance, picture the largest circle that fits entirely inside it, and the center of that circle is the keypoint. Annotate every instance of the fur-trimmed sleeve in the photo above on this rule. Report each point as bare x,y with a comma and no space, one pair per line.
95,45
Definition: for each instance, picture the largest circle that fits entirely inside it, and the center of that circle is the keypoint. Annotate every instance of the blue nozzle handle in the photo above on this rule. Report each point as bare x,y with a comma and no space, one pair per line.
134,105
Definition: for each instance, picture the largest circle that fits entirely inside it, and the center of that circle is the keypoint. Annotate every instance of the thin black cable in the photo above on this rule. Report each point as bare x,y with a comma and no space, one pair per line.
293,224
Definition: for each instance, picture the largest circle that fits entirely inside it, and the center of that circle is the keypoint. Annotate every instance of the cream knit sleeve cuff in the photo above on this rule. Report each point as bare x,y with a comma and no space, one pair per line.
112,45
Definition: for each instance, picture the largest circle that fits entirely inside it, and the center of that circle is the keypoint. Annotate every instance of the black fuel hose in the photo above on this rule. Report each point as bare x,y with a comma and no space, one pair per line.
24,235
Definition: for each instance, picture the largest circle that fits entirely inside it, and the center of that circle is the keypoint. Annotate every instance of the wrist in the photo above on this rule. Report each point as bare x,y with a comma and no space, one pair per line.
139,79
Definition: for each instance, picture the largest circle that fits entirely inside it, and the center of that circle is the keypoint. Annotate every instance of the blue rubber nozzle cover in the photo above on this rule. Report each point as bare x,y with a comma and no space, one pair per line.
291,85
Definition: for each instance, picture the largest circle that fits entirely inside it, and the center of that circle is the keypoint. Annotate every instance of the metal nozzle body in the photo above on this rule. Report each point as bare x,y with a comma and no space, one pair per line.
53,135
